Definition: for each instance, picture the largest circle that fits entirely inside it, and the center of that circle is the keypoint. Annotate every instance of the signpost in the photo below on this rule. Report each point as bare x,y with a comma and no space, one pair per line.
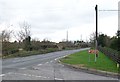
92,52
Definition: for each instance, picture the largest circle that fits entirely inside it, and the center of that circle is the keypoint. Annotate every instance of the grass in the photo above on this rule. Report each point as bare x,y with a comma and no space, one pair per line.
82,58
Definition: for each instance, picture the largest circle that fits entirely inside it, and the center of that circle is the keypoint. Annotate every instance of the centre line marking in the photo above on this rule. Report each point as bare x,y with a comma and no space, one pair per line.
22,68
39,64
51,61
30,75
2,75
56,59
58,79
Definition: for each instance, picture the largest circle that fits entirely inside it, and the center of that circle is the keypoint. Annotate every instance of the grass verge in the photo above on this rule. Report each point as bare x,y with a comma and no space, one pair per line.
82,59
30,53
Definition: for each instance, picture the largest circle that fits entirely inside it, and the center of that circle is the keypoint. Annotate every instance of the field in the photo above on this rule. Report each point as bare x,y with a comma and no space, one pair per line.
85,59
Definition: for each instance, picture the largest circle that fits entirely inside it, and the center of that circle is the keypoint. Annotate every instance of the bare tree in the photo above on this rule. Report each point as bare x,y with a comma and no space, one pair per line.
24,35
92,39
24,31
6,35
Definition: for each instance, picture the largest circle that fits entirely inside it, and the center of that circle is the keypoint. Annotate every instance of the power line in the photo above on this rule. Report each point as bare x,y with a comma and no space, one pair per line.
108,10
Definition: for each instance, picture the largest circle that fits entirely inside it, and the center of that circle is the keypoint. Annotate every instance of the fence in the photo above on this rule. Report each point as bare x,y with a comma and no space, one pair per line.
110,53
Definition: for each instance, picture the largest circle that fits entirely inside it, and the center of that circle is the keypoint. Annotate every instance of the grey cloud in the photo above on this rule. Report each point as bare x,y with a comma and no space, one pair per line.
49,16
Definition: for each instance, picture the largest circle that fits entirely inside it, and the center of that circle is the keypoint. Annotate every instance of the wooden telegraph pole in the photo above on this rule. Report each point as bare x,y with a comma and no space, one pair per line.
96,40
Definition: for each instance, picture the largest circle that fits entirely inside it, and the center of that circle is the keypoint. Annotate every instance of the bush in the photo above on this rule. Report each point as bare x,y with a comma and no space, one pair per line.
9,48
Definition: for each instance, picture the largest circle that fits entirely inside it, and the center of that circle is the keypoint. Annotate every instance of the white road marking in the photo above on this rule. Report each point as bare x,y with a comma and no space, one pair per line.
27,75
2,75
62,65
55,59
38,76
51,61
22,68
9,73
46,62
60,57
39,64
58,79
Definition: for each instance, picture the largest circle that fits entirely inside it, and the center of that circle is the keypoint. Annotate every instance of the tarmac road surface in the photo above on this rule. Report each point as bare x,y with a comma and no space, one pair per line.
44,67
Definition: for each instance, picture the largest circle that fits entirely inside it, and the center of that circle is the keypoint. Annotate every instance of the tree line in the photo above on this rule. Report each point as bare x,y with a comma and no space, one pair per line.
24,42
106,41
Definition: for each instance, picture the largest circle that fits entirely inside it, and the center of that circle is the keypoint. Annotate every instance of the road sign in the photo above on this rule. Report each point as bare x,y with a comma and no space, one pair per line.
93,51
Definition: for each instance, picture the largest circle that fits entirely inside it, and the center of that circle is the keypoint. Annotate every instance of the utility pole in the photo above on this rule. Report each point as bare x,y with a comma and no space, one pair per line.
81,38
96,42
67,37
118,34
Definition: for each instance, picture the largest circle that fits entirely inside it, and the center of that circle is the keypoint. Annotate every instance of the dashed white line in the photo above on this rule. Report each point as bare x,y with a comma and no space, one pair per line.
47,62
2,75
62,65
22,68
38,76
28,75
58,79
51,61
39,64
55,59
9,73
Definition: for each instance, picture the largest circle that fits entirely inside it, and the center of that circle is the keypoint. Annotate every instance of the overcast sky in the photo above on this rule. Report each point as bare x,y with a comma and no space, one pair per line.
52,18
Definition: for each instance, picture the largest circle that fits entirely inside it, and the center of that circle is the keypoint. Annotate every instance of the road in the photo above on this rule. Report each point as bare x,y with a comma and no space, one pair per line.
44,67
